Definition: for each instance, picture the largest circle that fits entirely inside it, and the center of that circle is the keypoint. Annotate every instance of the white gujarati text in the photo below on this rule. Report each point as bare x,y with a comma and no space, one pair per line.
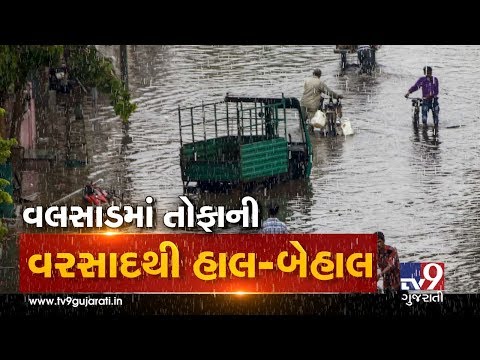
208,216
422,297
91,216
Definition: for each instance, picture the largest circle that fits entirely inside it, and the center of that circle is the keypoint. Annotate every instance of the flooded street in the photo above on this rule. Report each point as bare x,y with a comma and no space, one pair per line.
420,191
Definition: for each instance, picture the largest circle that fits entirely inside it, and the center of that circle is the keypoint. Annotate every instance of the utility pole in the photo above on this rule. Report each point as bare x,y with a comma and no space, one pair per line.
124,65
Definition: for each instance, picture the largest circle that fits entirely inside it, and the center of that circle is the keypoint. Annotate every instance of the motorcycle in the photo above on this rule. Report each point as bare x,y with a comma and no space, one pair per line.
366,58
94,195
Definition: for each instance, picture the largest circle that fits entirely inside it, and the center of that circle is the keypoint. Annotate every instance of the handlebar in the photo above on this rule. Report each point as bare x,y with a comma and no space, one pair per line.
330,100
330,103
417,99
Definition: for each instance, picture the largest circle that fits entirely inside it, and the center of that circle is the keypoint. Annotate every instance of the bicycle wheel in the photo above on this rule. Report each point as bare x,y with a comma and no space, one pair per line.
416,117
343,61
331,123
311,129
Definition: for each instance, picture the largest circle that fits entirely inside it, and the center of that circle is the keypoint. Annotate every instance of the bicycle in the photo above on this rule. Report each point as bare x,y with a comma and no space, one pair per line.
332,110
417,104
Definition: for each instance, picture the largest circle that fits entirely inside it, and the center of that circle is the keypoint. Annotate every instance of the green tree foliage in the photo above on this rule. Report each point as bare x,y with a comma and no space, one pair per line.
84,62
6,149
92,69
5,152
17,61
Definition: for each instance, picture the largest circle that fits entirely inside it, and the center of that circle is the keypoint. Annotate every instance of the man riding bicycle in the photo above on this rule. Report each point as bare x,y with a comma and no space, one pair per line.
429,85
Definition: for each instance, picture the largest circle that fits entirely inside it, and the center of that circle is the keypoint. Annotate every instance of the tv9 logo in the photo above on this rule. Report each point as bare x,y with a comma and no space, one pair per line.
422,276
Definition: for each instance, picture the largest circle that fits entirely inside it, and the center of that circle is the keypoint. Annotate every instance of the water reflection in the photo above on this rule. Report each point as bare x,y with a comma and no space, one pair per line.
295,201
426,149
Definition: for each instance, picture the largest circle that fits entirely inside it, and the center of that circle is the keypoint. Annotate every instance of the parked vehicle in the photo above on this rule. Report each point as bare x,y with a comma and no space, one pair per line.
245,141
365,55
95,195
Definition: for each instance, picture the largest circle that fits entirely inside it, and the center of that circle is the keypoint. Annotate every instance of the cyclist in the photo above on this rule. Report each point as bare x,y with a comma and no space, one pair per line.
429,85
312,93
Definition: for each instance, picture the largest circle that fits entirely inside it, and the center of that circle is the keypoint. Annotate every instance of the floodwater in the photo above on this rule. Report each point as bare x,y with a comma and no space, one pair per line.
421,191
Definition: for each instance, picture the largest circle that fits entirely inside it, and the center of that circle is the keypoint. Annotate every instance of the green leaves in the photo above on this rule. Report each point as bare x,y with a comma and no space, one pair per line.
3,230
4,196
84,62
5,149
16,61
5,152
124,108
93,70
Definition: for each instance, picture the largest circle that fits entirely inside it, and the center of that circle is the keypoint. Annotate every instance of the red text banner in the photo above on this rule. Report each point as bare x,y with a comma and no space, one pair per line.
198,263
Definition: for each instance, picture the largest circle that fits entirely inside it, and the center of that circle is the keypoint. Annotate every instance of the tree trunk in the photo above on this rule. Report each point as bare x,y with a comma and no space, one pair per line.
124,66
17,115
